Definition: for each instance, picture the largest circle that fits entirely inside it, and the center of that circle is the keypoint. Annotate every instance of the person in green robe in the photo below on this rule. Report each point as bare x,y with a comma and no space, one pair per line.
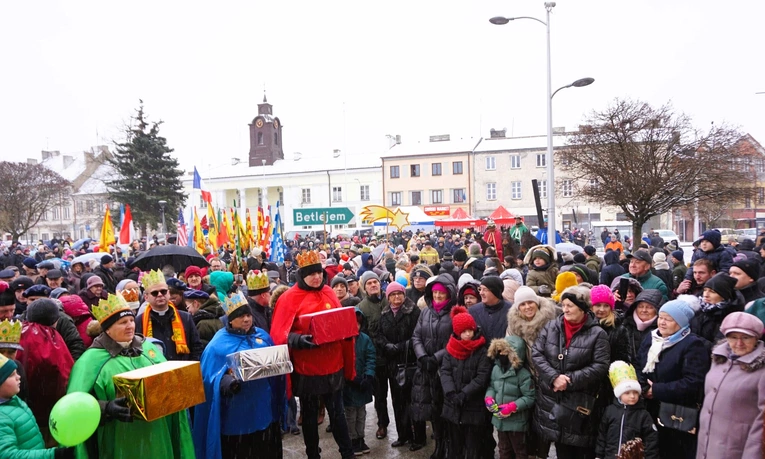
118,349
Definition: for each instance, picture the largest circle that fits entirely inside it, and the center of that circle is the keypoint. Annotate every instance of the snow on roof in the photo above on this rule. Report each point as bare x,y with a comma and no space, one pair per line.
69,166
96,183
288,165
432,148
538,142
486,145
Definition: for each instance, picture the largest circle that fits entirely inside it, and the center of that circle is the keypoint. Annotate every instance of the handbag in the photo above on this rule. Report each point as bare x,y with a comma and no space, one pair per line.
678,417
405,371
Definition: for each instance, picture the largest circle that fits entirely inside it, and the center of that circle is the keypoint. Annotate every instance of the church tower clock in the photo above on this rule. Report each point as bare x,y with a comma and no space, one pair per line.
265,136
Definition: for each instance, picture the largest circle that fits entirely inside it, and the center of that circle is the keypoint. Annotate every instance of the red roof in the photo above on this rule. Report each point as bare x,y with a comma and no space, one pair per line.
459,214
501,212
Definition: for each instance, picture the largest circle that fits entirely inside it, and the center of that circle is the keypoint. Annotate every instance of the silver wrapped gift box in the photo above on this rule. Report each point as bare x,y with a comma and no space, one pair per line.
260,363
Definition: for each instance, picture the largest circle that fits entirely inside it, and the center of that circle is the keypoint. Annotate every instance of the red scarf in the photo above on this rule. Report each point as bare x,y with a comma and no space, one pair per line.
571,329
460,349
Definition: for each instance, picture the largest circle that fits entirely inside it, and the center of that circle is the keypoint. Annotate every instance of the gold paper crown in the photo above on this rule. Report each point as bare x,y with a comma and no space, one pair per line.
308,259
234,302
152,278
621,371
10,332
257,280
110,306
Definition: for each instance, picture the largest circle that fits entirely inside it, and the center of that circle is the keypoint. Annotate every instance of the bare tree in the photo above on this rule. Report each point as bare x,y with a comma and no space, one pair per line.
28,192
650,160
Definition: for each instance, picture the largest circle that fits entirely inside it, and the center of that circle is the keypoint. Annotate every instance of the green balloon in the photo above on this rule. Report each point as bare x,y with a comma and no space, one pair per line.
74,418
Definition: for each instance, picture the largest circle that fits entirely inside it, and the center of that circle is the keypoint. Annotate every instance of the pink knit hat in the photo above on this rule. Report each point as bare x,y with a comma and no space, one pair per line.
602,294
394,287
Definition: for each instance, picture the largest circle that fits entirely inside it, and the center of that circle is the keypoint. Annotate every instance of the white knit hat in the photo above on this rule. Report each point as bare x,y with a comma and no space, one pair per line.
525,294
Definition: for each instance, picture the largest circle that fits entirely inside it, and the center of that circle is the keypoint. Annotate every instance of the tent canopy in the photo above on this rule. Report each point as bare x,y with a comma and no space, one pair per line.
460,219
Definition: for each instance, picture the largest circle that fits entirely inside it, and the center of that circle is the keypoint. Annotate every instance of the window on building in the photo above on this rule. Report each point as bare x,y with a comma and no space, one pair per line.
90,206
45,236
44,216
458,195
515,190
594,184
414,170
541,159
56,214
515,161
395,198
276,138
748,202
491,163
760,165
260,197
760,196
542,184
260,138
364,192
491,191
202,203
394,172
435,169
436,196
416,198
281,196
337,194
457,168
568,188
80,207
305,196
66,213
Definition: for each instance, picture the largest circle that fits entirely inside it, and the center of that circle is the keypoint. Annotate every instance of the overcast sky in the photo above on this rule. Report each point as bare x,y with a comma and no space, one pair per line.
343,74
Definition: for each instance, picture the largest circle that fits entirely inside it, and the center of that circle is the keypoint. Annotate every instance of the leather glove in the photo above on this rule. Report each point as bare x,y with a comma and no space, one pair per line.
491,404
429,363
391,349
544,290
229,385
298,341
64,453
368,383
118,409
459,399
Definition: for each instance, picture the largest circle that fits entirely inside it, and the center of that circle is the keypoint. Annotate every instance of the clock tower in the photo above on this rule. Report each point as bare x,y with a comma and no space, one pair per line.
265,136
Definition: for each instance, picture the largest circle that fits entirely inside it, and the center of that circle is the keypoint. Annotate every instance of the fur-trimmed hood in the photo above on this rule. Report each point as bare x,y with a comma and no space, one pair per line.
512,346
751,362
550,250
528,330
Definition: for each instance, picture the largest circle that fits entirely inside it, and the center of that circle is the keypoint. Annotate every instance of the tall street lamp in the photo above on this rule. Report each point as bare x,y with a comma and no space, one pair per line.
500,20
162,205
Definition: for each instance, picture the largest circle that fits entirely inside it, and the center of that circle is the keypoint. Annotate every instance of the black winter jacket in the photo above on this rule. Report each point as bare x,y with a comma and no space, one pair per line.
585,362
612,268
162,329
398,330
106,275
628,329
751,292
721,258
491,319
706,325
622,423
471,377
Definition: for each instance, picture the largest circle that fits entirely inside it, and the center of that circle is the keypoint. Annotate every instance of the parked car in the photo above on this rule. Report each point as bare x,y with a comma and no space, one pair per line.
748,233
728,234
668,235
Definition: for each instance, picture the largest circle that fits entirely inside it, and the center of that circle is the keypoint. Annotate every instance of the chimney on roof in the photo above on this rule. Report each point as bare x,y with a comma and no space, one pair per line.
68,160
440,138
498,133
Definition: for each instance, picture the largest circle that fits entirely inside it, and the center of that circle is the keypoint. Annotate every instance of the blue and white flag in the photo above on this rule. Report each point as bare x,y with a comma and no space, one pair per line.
276,254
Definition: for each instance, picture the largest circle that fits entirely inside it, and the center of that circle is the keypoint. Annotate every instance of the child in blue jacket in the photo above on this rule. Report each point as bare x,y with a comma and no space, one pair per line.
358,393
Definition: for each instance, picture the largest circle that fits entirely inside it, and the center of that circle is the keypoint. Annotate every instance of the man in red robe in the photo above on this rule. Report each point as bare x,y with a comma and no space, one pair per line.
493,237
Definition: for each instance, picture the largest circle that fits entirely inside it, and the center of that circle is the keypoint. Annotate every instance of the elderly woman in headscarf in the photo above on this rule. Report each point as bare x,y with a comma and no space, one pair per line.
117,350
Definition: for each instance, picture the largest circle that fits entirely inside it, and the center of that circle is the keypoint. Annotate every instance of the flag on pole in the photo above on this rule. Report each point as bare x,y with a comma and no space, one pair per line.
190,242
127,230
223,234
276,254
107,232
203,190
229,227
212,228
251,238
199,237
183,237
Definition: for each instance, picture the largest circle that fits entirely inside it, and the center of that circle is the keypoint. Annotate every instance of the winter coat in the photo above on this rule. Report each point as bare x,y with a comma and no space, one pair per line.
678,376
106,275
207,320
649,280
706,325
90,299
666,276
721,258
353,393
512,385
414,294
678,274
75,308
491,319
628,328
162,329
622,423
471,378
730,425
585,361
751,292
19,435
536,278
398,329
529,330
429,339
618,340
261,315
612,268
593,263
68,330
372,312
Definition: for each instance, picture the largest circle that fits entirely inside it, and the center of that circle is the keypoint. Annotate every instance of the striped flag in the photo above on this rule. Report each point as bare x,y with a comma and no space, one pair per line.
182,234
277,242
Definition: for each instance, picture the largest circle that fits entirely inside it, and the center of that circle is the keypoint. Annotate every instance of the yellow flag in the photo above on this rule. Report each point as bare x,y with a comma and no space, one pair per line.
199,236
212,228
250,236
229,228
107,232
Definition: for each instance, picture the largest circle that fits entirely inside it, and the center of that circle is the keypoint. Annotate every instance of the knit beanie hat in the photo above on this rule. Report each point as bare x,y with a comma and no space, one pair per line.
494,284
679,255
659,257
724,284
394,287
338,280
94,280
541,253
602,294
580,258
580,296
439,287
564,280
460,255
589,250
7,367
367,276
461,320
475,250
679,310
712,236
582,270
193,271
43,312
524,294
623,378
750,267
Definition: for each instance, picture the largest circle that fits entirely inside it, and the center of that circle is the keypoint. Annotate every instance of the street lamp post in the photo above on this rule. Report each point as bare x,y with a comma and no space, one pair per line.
162,204
500,20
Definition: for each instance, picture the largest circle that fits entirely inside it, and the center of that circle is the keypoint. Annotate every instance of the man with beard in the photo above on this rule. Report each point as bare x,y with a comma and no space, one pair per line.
258,298
372,305
318,370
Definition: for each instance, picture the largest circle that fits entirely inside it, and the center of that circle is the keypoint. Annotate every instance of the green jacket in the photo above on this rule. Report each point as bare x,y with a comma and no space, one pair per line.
593,262
167,437
207,320
649,280
512,385
372,312
678,274
19,436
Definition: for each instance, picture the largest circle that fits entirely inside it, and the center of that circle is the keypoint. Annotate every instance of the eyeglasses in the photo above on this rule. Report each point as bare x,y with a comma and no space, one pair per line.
157,293
743,339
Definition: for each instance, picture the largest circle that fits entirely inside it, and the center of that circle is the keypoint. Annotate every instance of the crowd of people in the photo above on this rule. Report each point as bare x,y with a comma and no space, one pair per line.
483,336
